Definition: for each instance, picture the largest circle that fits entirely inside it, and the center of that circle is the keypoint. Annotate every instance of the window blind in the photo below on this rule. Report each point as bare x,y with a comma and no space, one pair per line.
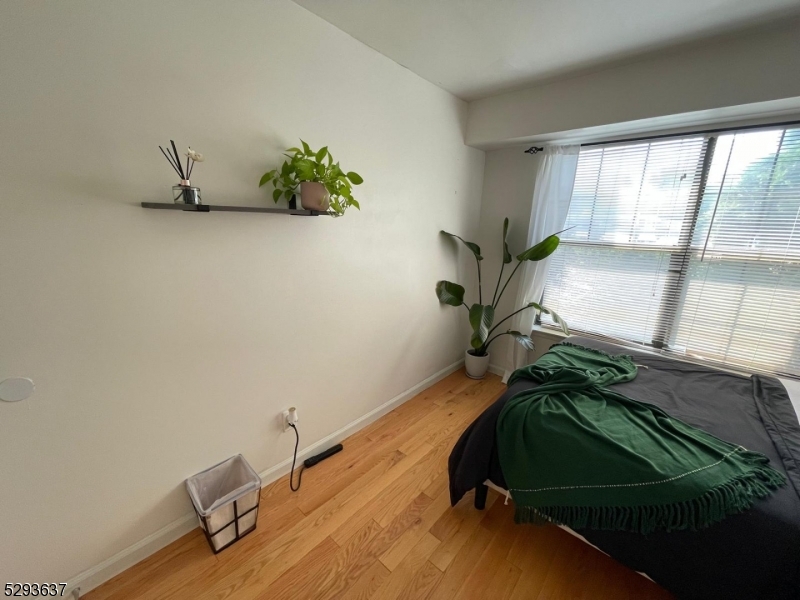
690,245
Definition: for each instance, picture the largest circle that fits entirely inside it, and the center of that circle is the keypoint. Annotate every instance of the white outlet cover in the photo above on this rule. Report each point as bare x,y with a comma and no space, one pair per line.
16,389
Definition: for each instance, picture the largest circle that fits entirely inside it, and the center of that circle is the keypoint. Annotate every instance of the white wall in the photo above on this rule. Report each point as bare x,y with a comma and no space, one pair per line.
507,192
162,342
756,67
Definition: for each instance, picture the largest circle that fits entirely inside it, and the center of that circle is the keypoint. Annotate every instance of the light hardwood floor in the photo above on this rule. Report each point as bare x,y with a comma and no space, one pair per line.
375,521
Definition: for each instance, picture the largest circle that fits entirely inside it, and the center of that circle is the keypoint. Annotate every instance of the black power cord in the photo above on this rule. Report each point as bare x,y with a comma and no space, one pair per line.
309,462
294,460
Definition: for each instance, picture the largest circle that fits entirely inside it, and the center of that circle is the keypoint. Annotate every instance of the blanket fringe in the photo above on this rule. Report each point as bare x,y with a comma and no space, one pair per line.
732,497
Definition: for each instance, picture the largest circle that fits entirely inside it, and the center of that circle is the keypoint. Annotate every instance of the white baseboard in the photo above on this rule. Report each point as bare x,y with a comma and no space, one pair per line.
99,574
125,559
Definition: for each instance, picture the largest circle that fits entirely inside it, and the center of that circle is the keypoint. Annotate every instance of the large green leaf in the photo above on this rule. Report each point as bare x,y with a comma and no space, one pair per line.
556,318
480,318
524,340
548,311
321,153
474,248
266,178
355,178
449,293
506,254
541,250
553,315
305,169
306,148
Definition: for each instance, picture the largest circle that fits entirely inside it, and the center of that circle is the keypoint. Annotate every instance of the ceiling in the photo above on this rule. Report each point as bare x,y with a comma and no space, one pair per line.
476,48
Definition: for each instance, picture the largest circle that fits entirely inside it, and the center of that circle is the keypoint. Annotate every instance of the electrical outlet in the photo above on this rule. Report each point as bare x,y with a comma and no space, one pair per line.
289,417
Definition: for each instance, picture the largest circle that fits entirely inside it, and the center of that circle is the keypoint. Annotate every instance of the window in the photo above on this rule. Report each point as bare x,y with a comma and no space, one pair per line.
690,245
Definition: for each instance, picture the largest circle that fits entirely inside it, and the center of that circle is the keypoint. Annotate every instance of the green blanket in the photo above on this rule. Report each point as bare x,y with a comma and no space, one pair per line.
577,453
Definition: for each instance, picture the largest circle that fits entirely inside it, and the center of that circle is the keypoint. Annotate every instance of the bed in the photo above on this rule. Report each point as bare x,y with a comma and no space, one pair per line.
755,554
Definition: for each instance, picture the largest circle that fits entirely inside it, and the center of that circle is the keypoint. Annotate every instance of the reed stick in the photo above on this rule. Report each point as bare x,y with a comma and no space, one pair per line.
178,159
169,160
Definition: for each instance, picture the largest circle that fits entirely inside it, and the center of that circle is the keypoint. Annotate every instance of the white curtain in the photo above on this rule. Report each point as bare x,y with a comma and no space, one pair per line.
552,193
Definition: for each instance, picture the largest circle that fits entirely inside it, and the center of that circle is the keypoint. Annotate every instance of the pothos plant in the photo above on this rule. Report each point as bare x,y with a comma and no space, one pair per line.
305,164
482,316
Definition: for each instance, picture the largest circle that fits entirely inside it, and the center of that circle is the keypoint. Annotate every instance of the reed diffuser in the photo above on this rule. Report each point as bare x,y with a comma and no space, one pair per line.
184,192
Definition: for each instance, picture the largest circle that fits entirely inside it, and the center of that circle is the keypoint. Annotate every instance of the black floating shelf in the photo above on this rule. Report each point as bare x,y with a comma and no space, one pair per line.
214,208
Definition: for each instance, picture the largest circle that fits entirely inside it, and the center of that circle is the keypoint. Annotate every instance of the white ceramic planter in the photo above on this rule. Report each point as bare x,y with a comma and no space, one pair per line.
314,196
476,365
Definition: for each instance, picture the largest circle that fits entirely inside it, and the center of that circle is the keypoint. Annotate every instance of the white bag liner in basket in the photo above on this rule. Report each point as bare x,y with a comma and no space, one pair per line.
222,484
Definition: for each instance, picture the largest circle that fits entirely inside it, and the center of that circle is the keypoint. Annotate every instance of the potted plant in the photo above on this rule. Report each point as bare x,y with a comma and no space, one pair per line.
481,316
324,186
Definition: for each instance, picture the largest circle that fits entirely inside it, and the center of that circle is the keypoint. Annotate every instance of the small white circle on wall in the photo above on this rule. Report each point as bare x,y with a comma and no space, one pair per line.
15,389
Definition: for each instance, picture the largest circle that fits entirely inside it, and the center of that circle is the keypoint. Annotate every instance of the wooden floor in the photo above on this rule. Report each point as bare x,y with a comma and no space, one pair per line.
375,521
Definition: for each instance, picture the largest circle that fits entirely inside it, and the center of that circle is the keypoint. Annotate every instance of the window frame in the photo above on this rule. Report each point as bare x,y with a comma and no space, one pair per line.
680,255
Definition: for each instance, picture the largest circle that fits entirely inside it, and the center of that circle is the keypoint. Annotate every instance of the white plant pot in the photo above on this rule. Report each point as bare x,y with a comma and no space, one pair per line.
314,196
476,365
